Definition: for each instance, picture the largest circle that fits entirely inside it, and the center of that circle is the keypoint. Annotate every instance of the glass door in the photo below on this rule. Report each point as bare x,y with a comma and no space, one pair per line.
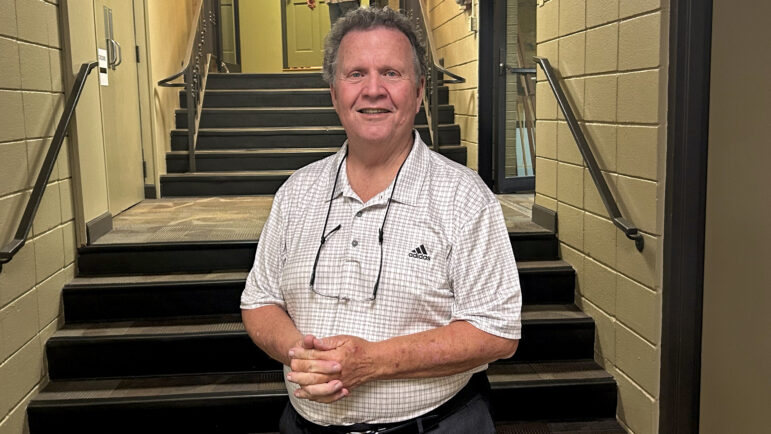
514,153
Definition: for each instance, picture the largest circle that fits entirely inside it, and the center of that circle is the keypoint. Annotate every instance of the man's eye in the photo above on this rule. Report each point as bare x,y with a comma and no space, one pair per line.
392,74
355,74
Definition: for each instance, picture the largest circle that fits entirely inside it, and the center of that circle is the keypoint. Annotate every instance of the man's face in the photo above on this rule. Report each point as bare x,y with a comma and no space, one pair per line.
375,91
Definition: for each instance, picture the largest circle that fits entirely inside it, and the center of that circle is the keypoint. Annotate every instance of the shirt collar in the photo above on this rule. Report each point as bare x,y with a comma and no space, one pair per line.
410,178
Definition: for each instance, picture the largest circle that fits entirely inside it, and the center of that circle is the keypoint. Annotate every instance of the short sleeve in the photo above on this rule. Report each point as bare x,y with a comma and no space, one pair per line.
484,276
263,282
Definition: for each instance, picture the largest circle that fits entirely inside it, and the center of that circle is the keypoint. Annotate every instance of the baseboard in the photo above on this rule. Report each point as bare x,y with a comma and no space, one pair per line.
150,192
545,217
98,227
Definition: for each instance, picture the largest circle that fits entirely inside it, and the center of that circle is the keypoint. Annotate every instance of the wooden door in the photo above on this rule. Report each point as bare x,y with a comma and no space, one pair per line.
304,31
120,105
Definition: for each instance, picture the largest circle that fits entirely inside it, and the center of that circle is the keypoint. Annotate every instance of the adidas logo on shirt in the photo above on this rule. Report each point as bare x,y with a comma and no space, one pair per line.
420,253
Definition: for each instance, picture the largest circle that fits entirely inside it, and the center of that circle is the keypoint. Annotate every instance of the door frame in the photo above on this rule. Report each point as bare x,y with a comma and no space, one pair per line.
690,35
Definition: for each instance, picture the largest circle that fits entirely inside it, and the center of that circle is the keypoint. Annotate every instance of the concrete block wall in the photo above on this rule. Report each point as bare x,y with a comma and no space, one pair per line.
459,46
611,57
31,101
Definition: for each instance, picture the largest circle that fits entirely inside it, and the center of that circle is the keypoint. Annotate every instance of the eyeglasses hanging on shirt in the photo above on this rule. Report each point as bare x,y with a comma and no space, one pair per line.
325,235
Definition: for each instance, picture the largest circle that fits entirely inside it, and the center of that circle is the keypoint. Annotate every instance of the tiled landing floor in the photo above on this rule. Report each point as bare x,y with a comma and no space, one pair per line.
229,218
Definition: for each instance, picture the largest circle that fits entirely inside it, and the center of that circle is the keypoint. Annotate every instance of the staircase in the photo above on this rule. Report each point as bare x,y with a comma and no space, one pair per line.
153,342
256,129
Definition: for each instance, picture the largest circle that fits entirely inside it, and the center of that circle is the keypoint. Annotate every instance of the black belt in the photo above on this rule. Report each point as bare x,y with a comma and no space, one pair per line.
478,384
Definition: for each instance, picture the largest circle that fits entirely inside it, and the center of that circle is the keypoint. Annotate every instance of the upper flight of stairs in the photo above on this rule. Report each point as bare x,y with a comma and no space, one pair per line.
153,342
256,129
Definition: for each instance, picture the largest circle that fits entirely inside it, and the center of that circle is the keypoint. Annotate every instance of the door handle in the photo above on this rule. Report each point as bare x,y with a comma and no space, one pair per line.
115,53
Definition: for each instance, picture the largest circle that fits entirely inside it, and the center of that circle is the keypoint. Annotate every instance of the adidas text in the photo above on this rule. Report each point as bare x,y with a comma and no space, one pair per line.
420,256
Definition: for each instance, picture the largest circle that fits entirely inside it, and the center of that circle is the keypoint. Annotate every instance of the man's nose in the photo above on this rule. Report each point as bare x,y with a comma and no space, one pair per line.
373,85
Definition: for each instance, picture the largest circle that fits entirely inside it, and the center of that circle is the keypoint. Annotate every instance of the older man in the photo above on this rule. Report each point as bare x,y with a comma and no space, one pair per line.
384,279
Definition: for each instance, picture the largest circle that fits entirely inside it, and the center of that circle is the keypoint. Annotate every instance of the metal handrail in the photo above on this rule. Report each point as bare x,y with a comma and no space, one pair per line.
25,225
202,43
431,95
624,225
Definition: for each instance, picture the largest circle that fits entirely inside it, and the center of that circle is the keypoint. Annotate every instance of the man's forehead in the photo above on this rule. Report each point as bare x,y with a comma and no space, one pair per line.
387,35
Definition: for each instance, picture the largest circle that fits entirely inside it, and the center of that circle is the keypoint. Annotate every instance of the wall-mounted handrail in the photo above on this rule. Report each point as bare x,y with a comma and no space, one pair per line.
25,225
203,44
431,95
624,225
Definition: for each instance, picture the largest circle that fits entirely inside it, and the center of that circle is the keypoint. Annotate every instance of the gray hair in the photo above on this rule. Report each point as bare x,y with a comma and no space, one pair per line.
368,19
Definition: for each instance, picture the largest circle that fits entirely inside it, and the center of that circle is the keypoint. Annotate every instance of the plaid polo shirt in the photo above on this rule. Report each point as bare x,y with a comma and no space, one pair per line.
446,257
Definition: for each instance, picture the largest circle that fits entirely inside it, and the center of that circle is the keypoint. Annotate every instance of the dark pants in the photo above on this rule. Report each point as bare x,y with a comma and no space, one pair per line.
337,10
473,416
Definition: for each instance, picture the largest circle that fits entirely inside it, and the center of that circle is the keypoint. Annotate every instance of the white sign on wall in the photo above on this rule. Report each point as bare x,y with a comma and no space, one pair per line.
101,55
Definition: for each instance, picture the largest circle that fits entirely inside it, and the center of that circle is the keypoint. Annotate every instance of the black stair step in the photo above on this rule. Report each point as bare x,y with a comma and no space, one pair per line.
591,426
276,97
246,159
165,258
546,282
303,80
249,402
96,299
534,246
209,344
285,116
268,159
572,390
288,137
209,257
223,183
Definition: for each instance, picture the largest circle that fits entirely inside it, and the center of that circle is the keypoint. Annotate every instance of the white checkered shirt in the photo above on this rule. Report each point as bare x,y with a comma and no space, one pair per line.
467,272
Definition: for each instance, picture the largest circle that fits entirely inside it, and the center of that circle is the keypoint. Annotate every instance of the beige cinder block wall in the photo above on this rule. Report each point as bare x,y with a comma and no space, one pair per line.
611,55
31,96
736,349
459,46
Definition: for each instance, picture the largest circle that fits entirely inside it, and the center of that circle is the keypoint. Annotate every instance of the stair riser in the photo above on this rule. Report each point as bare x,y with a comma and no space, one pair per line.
580,401
261,414
448,135
165,259
121,302
171,187
535,247
176,163
211,257
225,163
71,358
256,119
265,81
547,287
247,414
214,99
110,303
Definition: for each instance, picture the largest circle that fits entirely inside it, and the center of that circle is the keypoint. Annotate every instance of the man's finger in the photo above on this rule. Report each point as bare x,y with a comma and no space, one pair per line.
325,392
308,341
326,344
307,378
315,366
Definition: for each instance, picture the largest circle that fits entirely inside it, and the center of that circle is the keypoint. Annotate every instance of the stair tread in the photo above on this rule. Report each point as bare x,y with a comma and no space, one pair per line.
156,279
264,383
258,151
296,129
270,91
232,323
235,174
556,264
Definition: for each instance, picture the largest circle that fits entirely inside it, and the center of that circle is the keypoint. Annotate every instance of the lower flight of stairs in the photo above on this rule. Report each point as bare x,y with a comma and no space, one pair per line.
256,129
153,342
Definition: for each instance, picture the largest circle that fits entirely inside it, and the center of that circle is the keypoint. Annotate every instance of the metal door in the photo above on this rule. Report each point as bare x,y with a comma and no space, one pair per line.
120,104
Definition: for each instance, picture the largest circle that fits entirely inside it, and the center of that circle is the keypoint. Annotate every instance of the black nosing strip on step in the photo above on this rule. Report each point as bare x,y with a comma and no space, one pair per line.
561,322
96,287
498,385
141,247
38,403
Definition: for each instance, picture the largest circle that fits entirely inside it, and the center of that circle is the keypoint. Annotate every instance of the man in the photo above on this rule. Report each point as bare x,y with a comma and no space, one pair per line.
337,8
384,279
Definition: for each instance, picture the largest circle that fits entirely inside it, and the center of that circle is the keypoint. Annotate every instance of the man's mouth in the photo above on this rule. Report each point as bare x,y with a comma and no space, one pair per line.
373,111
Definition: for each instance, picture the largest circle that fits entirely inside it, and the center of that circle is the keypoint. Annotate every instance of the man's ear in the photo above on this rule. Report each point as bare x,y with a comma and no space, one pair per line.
420,90
332,94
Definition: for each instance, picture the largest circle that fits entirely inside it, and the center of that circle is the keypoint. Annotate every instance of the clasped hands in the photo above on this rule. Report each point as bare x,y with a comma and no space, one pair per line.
328,369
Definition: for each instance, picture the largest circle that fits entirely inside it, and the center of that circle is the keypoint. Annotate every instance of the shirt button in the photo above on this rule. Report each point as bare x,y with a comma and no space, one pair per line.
358,214
354,243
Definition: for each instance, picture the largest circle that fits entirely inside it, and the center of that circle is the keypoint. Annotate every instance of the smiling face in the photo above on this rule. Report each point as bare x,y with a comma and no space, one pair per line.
375,91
